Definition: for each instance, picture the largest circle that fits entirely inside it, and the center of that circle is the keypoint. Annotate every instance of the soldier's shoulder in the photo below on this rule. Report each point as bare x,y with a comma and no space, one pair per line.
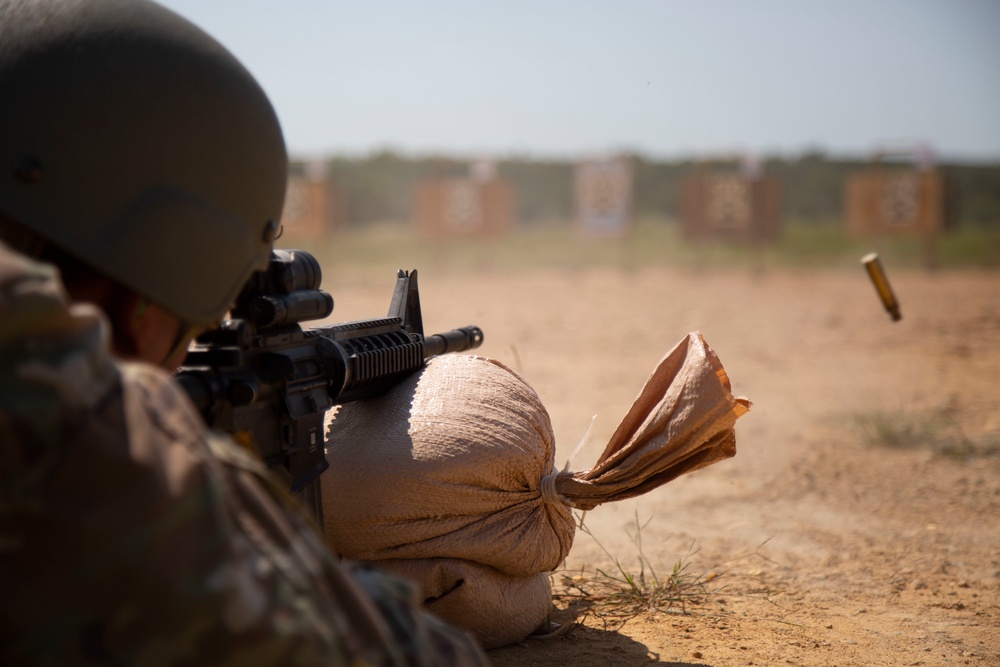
55,366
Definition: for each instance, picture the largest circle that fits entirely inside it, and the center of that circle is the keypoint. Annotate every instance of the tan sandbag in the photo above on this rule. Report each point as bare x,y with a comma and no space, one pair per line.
457,462
497,608
448,464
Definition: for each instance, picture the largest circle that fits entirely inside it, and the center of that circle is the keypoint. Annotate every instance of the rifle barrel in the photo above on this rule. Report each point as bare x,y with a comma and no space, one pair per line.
456,340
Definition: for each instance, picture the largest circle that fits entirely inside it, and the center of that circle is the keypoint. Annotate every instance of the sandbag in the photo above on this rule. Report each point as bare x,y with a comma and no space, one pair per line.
448,464
452,473
499,609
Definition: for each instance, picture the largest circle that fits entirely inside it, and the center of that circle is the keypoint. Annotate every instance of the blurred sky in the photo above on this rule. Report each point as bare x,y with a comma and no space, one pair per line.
556,78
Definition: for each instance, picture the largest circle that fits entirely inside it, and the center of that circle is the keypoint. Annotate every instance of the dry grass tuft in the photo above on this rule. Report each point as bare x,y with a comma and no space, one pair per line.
622,594
940,431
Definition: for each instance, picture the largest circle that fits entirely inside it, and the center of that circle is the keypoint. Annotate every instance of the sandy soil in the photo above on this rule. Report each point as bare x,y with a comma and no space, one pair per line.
822,549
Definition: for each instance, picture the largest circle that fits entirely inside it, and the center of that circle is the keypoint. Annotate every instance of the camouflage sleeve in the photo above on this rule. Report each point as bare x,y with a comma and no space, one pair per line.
131,535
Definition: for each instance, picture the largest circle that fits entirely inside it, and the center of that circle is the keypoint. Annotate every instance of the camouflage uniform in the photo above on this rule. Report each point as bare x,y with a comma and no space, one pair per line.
130,535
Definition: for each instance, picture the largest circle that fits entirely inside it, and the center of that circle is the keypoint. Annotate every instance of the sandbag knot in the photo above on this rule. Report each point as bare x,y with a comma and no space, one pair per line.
547,487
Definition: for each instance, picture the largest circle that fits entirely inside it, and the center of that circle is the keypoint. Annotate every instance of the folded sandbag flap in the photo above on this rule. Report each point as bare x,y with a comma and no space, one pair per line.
682,420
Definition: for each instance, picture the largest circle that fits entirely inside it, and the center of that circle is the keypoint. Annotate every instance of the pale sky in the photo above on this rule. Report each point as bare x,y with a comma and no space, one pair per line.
663,78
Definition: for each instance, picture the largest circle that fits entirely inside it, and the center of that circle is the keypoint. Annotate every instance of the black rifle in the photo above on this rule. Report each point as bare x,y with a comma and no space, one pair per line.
263,378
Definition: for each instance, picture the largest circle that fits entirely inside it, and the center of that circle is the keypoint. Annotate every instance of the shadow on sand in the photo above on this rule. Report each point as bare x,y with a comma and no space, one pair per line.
580,646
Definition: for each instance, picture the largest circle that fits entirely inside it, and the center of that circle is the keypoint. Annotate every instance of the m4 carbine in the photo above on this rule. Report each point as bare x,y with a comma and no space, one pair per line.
263,378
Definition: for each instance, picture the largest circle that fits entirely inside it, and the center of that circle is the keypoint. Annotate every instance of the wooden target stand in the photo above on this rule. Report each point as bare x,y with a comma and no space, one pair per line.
898,199
721,203
314,205
464,207
603,197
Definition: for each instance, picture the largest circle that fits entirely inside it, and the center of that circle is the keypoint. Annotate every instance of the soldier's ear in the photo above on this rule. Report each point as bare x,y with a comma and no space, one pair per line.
126,315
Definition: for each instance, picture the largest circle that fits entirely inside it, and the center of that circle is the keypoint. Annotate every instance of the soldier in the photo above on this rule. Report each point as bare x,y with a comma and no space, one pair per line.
145,168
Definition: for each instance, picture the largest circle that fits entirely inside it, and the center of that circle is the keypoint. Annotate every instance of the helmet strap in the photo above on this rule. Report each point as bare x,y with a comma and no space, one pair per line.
185,334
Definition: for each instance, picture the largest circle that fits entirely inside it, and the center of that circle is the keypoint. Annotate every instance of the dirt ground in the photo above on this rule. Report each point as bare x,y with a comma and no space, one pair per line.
821,548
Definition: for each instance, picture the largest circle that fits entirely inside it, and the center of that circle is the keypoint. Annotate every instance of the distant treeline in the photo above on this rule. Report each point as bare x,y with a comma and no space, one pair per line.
382,186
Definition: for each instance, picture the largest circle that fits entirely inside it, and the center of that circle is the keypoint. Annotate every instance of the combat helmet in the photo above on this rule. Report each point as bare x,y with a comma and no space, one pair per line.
132,140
